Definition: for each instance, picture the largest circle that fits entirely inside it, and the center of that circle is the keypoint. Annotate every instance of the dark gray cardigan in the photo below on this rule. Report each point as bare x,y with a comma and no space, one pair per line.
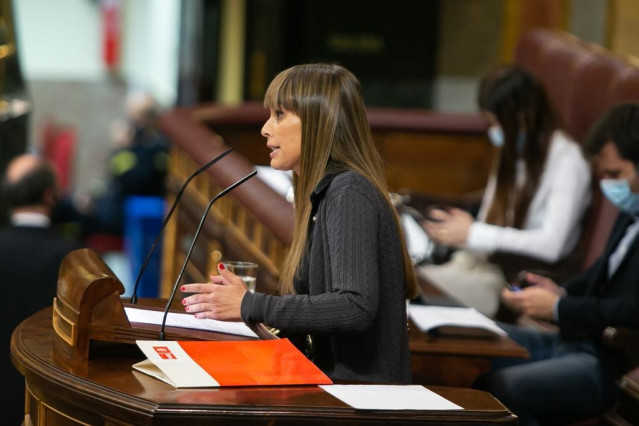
350,296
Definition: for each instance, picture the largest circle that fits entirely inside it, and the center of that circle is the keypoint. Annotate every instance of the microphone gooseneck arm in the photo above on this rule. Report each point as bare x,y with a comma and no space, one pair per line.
195,236
134,296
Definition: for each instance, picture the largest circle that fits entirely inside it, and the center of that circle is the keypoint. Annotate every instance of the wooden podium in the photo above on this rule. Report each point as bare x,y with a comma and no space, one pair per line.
77,359
88,309
109,392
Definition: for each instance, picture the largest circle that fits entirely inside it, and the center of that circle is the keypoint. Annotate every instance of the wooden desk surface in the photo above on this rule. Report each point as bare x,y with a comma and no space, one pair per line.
453,361
108,391
424,343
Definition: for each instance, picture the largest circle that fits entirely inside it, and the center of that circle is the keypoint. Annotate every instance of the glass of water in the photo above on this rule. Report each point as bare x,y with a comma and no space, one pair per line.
245,270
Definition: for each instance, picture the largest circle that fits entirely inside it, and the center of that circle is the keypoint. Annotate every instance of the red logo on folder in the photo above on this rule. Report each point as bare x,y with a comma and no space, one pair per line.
164,352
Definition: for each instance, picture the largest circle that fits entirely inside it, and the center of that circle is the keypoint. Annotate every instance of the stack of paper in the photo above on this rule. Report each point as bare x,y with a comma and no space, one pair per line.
149,316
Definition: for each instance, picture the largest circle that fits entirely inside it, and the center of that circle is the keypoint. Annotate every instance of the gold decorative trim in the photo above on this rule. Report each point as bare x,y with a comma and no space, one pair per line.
63,326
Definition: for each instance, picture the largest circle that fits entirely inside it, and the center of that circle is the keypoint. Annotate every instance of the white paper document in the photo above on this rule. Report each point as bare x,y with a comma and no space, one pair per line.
430,317
390,397
173,319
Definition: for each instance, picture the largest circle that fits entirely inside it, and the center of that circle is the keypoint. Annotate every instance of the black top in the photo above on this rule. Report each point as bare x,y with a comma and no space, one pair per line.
350,293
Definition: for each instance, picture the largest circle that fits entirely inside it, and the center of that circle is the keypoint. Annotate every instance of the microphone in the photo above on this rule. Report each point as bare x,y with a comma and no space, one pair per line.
197,233
134,296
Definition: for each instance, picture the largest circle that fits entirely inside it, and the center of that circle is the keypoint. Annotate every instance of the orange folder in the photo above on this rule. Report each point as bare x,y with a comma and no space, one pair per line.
231,363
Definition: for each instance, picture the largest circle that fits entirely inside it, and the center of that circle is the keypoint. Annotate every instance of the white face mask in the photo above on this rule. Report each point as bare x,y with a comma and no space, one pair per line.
618,192
496,135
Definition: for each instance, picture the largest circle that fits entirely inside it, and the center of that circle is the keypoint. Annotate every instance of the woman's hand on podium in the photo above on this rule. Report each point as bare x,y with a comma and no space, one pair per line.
220,299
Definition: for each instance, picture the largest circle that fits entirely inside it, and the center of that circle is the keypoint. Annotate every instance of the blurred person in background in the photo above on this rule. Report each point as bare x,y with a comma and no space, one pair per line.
537,193
137,166
30,255
570,373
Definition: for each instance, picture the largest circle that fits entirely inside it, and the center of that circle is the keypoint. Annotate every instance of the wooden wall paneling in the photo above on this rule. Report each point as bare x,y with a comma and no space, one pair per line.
442,164
229,228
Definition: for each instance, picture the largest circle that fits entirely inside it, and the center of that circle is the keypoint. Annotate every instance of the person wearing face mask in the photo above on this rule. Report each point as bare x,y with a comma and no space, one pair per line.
532,207
570,374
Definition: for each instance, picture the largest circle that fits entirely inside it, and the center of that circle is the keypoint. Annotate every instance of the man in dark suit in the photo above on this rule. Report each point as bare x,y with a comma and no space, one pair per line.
570,374
30,256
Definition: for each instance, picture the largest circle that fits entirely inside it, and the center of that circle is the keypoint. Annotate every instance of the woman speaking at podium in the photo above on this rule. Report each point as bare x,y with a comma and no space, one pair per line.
347,276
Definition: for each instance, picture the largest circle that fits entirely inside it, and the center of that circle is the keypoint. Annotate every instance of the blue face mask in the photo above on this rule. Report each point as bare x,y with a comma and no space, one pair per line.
496,136
618,192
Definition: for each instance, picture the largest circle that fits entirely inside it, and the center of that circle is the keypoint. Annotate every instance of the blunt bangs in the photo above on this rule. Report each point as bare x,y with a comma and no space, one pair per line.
279,93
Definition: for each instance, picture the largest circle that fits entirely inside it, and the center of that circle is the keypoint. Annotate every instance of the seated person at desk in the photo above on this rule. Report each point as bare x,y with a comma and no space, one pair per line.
30,256
536,195
347,275
570,373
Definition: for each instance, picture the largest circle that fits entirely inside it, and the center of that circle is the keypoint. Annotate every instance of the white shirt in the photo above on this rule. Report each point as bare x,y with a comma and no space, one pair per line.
622,248
552,226
30,219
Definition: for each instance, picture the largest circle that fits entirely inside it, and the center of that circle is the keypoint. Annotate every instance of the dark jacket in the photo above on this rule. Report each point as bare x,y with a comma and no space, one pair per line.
350,297
29,261
595,301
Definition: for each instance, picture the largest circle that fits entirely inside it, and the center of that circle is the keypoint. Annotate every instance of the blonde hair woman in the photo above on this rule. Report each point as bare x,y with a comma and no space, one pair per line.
347,275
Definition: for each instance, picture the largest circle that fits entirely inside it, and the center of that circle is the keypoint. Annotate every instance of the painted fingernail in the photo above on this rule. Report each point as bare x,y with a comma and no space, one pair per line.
184,301
182,288
221,265
186,308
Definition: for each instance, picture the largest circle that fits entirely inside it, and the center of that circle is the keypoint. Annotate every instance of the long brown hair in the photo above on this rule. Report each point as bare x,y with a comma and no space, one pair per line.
328,100
521,107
